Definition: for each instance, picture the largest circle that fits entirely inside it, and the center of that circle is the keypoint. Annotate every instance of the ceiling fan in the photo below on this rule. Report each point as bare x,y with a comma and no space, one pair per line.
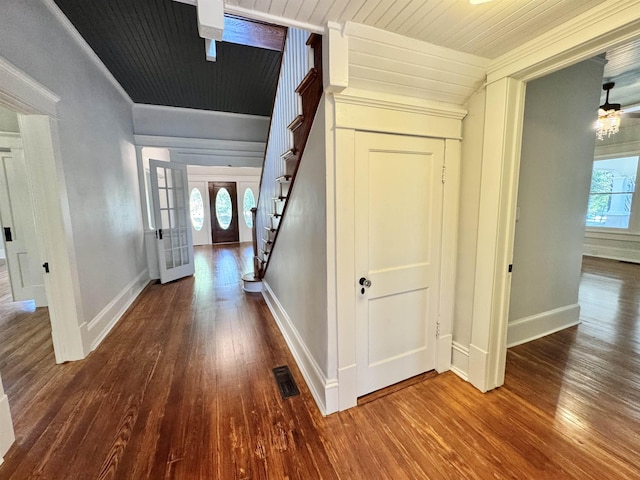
632,111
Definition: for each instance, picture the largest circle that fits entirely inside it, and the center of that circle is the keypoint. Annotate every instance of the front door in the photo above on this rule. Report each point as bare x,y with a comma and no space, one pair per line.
169,189
398,227
223,199
16,214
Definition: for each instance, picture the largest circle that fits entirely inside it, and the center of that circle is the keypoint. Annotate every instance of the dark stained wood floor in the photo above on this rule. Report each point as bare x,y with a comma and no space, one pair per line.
182,388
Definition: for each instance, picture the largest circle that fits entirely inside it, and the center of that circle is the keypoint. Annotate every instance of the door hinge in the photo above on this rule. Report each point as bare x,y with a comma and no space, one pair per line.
444,173
7,234
45,265
438,329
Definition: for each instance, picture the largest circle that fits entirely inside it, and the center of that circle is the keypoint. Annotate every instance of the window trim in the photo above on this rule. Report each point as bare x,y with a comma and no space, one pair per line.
634,217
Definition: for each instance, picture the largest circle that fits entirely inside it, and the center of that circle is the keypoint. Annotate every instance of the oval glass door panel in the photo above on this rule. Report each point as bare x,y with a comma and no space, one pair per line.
223,208
248,202
196,206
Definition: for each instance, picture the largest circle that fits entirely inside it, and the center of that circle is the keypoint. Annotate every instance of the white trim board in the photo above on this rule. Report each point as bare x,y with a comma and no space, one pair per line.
22,93
542,324
68,26
7,436
98,328
460,360
612,253
325,391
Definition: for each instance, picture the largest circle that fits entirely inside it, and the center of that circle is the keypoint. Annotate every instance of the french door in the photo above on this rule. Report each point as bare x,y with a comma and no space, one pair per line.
169,189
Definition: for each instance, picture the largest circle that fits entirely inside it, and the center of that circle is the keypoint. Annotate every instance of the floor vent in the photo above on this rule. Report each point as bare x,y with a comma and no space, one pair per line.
285,381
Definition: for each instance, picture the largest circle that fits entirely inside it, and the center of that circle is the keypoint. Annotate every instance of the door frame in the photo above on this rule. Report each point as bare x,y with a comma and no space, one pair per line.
36,107
403,116
588,35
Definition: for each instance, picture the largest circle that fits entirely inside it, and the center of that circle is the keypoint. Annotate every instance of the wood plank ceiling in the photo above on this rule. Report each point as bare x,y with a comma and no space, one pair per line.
153,49
488,30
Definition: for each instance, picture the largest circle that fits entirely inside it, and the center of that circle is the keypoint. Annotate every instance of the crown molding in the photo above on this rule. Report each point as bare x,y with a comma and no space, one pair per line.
583,37
20,92
68,26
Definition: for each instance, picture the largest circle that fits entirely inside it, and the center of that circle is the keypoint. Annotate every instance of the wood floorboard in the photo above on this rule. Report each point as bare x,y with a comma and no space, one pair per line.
182,388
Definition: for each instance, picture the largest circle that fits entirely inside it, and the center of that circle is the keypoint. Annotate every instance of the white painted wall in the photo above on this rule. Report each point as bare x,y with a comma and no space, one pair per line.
95,132
191,123
555,172
470,173
297,273
8,121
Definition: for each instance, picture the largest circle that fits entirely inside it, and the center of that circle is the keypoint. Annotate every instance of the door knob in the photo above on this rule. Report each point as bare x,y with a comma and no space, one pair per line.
365,282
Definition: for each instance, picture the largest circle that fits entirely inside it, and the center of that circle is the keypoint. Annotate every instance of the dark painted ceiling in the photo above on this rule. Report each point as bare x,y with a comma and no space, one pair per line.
153,49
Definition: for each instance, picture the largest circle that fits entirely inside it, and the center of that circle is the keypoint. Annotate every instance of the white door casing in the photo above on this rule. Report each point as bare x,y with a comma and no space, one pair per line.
169,188
16,212
398,228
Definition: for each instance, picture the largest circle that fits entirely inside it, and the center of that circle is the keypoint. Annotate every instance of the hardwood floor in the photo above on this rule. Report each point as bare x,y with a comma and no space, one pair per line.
182,388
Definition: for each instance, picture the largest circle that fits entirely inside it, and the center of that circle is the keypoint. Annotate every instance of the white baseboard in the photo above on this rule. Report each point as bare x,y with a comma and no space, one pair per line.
611,253
98,328
325,391
460,360
7,436
536,326
443,353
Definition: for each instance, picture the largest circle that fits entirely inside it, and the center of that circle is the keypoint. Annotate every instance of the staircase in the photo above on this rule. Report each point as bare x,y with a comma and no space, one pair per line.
275,191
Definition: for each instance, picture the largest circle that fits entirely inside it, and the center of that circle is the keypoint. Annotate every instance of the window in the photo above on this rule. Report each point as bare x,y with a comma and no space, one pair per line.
613,183
248,202
223,208
196,206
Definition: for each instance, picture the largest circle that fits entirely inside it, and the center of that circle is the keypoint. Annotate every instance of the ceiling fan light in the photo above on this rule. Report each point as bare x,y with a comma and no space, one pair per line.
608,123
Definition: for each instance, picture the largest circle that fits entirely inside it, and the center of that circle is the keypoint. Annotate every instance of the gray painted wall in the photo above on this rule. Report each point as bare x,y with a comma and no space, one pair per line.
555,173
96,143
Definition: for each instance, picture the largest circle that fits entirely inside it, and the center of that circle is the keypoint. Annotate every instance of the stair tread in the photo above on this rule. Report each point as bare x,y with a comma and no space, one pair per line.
271,229
296,122
289,154
280,198
275,215
267,241
283,179
307,81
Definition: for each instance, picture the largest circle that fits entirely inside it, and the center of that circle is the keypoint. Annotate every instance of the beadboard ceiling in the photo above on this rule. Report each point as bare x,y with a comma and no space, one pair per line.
623,68
488,30
153,49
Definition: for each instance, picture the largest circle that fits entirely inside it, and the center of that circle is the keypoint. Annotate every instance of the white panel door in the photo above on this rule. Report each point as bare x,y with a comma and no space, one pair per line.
23,261
398,227
170,190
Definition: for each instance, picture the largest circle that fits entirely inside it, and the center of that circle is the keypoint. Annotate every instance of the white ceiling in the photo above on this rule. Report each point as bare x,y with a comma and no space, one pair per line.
488,30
